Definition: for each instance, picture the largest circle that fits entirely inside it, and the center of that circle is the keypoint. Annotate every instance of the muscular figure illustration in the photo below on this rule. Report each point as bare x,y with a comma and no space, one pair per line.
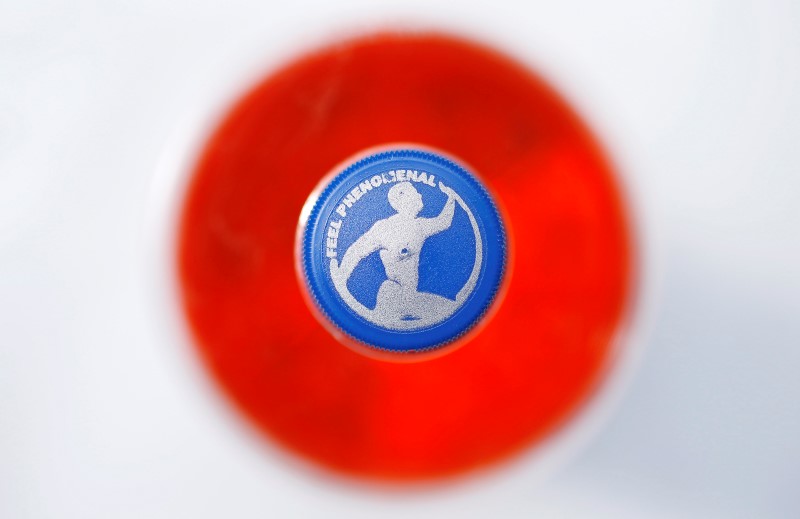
399,240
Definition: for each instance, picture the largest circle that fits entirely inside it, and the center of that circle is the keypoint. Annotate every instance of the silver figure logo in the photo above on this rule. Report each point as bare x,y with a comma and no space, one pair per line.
399,239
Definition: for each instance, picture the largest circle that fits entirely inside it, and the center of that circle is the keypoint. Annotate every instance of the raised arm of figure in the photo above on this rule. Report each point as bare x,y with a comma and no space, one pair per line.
442,222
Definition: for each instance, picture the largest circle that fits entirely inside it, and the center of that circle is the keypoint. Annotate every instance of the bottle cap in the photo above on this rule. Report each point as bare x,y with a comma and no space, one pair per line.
403,251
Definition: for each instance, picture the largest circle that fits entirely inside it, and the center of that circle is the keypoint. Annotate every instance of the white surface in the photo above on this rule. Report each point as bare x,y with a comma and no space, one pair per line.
92,420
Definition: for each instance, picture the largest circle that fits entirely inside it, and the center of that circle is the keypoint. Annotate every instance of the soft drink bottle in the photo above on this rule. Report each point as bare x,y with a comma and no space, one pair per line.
462,267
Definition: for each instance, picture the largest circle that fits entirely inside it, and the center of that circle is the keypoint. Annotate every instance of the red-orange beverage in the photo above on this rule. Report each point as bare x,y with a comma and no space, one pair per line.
569,276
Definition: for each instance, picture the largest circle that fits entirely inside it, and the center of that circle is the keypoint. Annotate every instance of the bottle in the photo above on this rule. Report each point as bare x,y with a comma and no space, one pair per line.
404,257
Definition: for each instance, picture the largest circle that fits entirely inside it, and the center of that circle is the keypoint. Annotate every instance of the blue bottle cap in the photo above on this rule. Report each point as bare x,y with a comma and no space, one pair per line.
404,251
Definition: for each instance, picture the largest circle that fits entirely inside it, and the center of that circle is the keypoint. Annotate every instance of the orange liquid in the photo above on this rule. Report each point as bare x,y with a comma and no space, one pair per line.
542,352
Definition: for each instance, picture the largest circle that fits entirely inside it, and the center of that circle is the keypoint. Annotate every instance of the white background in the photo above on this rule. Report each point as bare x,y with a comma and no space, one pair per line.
99,416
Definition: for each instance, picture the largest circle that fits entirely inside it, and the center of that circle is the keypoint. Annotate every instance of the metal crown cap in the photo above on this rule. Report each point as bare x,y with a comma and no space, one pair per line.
404,251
